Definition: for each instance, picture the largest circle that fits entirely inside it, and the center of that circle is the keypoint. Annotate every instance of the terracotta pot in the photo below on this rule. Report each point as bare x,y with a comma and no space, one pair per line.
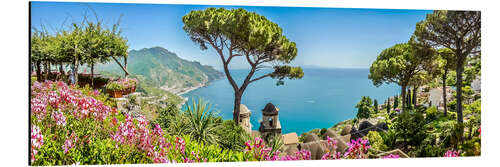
116,94
126,91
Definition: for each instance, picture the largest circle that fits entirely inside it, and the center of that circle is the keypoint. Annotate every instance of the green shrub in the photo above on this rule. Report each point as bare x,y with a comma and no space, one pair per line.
322,132
376,141
430,147
172,120
232,136
209,152
431,113
133,99
409,127
473,113
452,105
471,147
389,138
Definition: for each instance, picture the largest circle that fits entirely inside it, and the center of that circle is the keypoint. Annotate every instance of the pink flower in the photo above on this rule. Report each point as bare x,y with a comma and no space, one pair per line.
59,117
357,149
180,144
157,130
70,142
479,130
331,152
451,153
96,92
36,141
54,99
38,108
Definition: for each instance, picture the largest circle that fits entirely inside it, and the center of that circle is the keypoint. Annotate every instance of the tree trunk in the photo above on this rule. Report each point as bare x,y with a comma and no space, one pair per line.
415,89
237,102
75,70
444,92
61,69
38,71
46,77
92,74
125,62
408,100
121,66
460,69
32,65
403,97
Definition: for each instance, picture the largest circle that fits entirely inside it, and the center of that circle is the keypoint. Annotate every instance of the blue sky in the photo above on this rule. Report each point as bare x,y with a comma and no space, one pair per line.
325,37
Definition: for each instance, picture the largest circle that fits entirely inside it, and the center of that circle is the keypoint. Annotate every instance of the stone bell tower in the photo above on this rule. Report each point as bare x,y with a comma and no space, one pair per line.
245,119
270,124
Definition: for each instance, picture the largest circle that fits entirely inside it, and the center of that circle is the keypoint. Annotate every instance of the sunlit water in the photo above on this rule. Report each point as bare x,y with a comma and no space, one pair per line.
322,98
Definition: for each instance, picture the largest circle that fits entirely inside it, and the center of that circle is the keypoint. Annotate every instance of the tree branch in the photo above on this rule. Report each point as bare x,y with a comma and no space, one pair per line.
261,77
225,64
120,64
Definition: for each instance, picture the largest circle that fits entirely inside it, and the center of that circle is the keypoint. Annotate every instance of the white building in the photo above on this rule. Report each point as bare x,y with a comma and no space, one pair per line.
476,84
436,96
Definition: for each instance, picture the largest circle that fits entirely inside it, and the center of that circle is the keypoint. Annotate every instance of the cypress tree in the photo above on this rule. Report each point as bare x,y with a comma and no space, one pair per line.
375,105
396,101
388,106
414,97
408,99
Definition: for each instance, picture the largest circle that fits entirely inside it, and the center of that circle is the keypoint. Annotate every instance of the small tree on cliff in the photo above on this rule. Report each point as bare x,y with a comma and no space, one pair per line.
364,107
239,33
459,31
399,64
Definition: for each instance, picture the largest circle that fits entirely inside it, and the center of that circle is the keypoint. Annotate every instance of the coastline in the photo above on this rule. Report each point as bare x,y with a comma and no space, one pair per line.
181,91
189,89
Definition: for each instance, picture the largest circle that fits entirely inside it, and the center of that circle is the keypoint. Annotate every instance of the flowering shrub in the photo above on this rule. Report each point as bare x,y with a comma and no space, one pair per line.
259,152
74,125
36,141
129,82
71,125
122,84
331,152
357,149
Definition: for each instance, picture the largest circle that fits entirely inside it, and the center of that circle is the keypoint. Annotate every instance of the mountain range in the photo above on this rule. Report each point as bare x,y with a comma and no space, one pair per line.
159,67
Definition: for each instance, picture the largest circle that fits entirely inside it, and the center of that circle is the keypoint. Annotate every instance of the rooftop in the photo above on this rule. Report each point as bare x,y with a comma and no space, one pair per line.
290,138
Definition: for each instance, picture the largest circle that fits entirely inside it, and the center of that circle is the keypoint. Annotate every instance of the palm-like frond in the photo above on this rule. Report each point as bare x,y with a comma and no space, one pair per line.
202,122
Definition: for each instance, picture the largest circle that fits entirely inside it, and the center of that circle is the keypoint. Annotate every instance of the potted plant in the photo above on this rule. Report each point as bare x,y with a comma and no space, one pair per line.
129,85
115,89
133,84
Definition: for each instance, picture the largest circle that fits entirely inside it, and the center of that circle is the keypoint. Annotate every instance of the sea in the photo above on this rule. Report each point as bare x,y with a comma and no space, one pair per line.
321,99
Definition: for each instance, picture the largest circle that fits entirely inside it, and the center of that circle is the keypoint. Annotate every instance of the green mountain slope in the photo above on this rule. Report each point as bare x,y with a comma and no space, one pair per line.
158,67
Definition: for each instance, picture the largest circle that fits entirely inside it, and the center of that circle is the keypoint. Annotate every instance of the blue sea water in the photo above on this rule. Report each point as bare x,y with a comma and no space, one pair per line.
322,98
